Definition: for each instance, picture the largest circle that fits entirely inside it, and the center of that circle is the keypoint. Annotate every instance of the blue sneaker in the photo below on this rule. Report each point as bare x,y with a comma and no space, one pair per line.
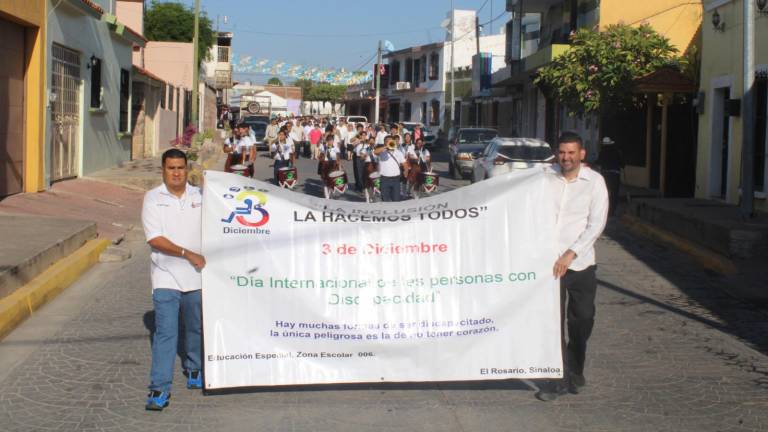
157,400
195,380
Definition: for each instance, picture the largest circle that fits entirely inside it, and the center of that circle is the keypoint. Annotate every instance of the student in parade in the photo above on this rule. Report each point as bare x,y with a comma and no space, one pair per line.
359,142
581,203
172,218
284,153
330,154
391,167
419,161
381,135
239,147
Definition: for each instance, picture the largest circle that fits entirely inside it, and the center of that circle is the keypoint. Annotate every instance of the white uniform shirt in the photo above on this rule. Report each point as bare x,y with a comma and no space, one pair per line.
240,144
282,151
331,154
422,155
367,153
380,137
180,221
389,163
582,211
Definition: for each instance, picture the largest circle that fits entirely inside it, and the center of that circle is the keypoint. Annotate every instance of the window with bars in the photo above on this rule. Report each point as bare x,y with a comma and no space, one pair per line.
223,54
163,96
125,98
434,66
171,97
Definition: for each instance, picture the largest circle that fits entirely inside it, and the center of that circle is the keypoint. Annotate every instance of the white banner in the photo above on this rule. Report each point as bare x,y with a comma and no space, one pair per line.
303,290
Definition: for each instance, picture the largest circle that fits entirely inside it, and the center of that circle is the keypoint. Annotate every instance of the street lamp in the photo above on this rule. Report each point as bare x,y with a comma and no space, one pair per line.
717,23
762,5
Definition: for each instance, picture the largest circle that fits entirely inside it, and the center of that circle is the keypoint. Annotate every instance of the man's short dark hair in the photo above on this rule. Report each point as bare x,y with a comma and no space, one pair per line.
570,137
174,154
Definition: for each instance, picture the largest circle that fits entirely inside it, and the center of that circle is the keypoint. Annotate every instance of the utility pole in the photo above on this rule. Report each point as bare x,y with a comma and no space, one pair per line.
378,86
748,115
477,34
453,89
195,68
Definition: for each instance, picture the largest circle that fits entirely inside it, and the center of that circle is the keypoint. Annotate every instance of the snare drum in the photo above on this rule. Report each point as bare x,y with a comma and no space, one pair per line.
337,180
239,170
429,181
287,177
374,180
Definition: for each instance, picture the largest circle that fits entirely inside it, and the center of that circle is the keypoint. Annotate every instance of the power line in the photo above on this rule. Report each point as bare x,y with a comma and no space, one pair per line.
366,63
481,7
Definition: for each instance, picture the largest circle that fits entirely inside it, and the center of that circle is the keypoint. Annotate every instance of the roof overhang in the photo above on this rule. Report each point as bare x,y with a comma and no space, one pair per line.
667,79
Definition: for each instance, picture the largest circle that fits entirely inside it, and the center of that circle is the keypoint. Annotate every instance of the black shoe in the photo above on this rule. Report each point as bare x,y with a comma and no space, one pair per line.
550,392
576,383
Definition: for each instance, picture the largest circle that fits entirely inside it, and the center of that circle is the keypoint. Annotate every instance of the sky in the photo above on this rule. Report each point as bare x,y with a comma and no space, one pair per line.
336,33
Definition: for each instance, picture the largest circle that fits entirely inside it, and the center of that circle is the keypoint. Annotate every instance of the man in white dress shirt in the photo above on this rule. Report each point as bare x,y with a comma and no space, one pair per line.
581,200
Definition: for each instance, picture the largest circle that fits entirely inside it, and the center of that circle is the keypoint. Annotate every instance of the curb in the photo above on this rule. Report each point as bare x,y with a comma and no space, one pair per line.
19,305
702,255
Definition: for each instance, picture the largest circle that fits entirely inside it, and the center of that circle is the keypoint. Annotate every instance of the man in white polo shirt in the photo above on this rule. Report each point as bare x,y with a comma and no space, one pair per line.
171,216
581,200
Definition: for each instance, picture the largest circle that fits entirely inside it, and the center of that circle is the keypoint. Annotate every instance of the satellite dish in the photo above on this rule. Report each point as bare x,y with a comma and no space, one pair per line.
253,107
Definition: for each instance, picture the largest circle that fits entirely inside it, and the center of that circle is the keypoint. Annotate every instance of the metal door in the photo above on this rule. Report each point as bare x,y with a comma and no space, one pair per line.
11,108
65,113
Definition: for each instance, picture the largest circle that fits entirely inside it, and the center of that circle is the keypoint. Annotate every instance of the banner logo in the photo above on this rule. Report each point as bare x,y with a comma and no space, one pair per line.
249,211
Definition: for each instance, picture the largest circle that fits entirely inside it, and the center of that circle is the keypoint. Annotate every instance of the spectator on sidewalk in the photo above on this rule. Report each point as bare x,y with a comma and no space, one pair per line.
581,203
611,163
172,217
315,136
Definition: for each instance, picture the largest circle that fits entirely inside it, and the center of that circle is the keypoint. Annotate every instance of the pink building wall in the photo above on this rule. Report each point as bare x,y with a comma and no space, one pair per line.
171,61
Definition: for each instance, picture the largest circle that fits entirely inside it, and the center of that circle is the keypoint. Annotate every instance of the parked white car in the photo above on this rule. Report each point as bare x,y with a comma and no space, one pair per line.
503,155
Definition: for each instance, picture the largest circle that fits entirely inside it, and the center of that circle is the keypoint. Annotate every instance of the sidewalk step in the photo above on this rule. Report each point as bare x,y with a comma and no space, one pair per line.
31,244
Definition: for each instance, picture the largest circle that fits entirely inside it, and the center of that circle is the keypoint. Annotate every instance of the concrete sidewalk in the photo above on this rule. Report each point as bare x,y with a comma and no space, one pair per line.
714,233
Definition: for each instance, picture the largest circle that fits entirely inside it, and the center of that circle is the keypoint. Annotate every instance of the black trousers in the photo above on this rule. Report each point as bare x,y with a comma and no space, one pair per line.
577,314
612,182
356,172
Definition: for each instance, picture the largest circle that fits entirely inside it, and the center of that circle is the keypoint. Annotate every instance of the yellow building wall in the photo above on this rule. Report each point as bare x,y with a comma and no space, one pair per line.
31,14
722,65
678,20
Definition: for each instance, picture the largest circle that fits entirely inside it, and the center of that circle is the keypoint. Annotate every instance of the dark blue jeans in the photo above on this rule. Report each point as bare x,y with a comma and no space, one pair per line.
168,303
390,188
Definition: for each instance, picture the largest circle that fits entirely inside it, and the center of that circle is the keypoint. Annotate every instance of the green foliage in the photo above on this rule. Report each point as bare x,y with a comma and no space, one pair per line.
313,91
175,22
275,81
599,69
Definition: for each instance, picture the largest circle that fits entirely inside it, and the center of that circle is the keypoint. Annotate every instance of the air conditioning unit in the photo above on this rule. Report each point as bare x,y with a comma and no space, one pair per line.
402,85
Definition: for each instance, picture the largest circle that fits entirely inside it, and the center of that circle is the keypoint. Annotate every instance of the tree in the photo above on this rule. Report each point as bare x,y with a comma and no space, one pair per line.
175,22
275,81
326,92
304,84
599,69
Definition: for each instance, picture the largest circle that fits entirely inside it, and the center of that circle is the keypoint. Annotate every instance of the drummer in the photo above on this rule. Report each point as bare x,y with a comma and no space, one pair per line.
238,146
329,153
283,151
369,160
419,161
